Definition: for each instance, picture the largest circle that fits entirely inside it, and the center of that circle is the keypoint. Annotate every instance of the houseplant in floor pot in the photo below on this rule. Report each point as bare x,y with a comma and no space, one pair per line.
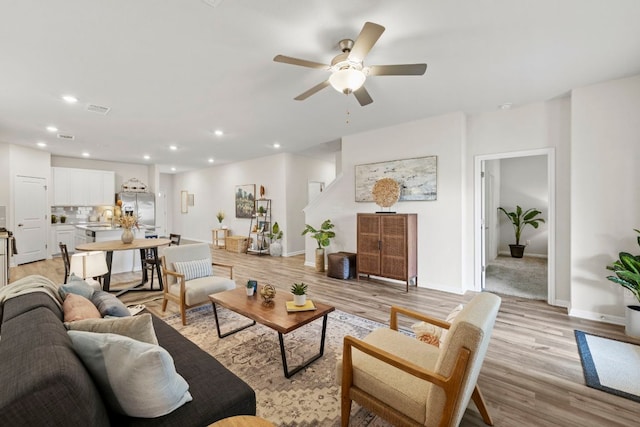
519,219
323,236
275,238
627,270
299,291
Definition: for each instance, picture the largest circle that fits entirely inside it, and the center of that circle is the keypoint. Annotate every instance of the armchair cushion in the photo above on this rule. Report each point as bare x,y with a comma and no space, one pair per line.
194,269
198,290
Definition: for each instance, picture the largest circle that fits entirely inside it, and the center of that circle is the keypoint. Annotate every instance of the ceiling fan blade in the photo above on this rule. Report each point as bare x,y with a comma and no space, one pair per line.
398,70
300,62
311,91
366,39
363,96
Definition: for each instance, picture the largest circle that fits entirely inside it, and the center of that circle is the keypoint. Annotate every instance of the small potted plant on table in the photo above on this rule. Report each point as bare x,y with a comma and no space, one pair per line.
299,291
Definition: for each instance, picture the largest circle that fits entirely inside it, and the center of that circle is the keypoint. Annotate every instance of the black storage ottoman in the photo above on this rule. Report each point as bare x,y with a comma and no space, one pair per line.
342,265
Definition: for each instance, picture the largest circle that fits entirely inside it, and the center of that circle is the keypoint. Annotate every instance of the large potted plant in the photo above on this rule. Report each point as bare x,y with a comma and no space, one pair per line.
275,240
520,219
627,270
323,237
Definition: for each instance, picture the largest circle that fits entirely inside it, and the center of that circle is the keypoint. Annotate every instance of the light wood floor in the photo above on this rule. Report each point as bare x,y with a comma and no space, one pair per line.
531,376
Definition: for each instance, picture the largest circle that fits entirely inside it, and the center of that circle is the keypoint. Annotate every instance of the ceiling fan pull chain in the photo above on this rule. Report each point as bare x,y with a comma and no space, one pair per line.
347,121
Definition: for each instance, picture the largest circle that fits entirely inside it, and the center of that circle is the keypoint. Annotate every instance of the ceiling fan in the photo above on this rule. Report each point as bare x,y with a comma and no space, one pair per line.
348,72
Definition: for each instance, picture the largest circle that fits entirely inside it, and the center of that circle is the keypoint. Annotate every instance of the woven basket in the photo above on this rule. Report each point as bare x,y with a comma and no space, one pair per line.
237,244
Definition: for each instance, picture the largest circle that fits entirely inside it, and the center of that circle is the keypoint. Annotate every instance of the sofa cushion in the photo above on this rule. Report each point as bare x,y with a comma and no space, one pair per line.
194,269
76,307
109,305
135,378
76,285
137,327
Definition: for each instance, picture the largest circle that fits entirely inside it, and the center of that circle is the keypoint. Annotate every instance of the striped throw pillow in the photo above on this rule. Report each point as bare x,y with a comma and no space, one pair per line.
194,269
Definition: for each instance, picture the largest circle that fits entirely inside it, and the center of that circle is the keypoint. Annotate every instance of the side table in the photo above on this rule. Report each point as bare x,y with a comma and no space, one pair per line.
219,234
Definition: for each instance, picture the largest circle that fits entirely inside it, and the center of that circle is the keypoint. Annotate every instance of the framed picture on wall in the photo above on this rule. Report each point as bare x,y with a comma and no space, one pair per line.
244,199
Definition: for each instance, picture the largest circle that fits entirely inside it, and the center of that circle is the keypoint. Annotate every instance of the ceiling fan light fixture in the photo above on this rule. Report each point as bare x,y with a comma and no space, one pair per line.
347,80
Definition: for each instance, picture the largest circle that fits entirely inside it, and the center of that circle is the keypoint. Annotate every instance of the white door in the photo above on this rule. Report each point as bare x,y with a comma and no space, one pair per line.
30,214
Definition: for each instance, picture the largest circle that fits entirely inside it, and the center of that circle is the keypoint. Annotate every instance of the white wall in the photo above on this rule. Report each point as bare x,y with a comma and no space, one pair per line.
524,182
440,238
605,201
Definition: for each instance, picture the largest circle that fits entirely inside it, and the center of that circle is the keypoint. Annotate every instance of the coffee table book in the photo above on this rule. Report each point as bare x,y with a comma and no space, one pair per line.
308,306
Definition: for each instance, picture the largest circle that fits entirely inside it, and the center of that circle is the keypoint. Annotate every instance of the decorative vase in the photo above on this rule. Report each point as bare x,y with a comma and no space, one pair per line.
632,321
275,249
320,260
299,300
127,235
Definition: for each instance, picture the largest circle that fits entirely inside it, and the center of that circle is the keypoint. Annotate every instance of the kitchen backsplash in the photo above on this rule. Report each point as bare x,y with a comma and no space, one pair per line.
78,214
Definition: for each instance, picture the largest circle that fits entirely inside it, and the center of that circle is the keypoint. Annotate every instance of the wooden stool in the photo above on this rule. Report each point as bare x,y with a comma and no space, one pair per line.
242,421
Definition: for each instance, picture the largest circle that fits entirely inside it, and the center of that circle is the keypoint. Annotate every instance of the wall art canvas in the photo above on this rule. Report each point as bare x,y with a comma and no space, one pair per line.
245,195
417,178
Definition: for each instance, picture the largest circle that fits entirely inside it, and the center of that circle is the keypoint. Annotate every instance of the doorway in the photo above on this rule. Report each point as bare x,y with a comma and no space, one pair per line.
526,178
30,204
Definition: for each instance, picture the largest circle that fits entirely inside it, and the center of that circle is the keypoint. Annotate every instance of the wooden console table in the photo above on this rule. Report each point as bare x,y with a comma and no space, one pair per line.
216,234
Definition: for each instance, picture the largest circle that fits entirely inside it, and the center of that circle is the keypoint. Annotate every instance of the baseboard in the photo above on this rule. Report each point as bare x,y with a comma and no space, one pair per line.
598,317
529,255
562,303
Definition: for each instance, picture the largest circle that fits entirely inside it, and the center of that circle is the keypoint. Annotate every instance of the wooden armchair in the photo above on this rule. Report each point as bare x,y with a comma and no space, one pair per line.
188,276
411,383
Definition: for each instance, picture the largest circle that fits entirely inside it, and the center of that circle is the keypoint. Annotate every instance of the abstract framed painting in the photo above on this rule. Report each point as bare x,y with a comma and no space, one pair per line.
417,178
244,200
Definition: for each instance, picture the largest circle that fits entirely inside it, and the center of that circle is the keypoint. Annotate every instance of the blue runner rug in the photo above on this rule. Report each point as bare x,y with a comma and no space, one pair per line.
610,365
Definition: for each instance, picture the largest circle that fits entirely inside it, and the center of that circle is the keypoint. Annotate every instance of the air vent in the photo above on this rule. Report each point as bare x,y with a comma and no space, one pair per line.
67,137
98,109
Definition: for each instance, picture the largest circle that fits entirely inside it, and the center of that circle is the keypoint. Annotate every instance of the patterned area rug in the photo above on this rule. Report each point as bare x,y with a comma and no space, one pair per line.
310,397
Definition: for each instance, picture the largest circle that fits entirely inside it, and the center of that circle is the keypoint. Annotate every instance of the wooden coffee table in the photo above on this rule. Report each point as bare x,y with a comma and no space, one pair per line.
274,316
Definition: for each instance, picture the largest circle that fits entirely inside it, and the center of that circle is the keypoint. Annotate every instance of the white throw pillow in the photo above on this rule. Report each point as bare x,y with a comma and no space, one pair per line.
137,327
194,269
136,378
450,319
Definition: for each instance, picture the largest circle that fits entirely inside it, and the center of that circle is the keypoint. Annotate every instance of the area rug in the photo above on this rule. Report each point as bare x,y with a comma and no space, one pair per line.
610,365
310,397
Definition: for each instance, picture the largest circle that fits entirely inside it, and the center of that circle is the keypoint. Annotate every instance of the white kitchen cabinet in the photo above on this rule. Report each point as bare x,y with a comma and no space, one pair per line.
83,187
64,234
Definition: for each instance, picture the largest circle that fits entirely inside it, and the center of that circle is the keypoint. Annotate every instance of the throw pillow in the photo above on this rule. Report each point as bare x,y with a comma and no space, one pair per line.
137,327
76,307
450,319
76,285
136,378
428,333
109,305
194,269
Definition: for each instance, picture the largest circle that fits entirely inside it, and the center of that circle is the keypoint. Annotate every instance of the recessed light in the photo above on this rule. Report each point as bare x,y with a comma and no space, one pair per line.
276,145
173,169
147,157
218,132
173,148
506,106
42,144
70,99
85,154
211,160
52,129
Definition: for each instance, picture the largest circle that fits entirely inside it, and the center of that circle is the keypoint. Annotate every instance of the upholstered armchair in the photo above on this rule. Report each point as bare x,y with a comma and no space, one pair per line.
413,383
188,276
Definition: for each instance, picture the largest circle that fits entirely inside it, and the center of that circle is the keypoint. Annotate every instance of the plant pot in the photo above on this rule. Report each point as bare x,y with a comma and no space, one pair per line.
275,249
632,319
127,235
299,300
319,260
250,291
517,251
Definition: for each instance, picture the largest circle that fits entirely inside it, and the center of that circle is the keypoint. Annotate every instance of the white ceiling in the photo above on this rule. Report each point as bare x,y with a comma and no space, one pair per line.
172,71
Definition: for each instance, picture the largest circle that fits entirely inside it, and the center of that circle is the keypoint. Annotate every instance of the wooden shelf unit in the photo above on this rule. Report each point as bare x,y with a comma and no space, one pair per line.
263,223
388,246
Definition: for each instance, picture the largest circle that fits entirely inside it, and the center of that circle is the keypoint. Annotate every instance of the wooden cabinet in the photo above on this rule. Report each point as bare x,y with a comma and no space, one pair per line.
83,187
388,246
64,234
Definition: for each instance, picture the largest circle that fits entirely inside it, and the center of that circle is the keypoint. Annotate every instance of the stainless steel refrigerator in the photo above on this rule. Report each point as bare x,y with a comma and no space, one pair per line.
143,205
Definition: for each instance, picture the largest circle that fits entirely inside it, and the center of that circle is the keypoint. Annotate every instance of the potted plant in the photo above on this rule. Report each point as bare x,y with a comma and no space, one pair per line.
323,237
627,270
63,219
275,237
299,291
220,217
251,287
261,210
519,219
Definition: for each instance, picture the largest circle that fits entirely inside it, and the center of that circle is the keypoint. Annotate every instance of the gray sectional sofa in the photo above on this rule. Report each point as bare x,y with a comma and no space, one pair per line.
43,382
